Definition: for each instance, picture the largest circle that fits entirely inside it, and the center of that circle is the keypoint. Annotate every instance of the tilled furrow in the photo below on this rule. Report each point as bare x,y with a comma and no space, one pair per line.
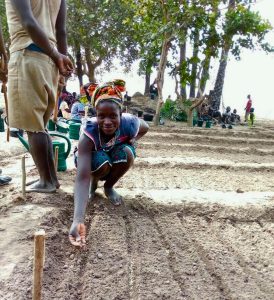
107,265
169,138
223,264
165,177
145,149
219,132
254,249
151,276
189,270
202,163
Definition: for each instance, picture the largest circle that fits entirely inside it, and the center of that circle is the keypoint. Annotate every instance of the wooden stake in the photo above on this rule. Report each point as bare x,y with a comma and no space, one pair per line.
23,165
56,153
39,260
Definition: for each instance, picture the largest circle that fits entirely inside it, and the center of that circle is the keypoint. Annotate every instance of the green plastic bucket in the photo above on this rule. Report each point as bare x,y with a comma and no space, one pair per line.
51,125
194,122
200,123
2,126
62,127
208,124
74,131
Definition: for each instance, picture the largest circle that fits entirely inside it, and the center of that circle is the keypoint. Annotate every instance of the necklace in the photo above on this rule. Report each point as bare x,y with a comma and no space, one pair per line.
111,143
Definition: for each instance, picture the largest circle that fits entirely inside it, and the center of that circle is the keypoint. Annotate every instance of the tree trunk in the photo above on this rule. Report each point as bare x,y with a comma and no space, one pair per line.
147,85
79,70
182,63
197,102
194,64
160,77
219,83
92,66
204,76
216,94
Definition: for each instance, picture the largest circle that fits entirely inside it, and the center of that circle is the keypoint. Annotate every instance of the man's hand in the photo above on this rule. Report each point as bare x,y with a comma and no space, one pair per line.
4,68
77,234
63,63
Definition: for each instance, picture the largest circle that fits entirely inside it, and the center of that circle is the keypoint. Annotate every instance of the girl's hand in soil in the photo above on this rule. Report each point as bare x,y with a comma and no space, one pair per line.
77,234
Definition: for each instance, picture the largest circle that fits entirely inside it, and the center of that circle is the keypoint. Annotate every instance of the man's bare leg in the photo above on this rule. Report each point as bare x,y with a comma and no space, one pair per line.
51,163
39,149
117,171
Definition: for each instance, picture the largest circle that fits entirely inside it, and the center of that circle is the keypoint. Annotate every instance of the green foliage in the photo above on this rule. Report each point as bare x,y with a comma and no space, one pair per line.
247,29
172,111
3,19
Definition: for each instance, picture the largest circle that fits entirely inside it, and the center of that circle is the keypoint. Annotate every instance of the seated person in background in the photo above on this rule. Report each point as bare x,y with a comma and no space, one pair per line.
153,91
235,118
106,152
203,113
226,118
77,110
4,179
64,110
214,115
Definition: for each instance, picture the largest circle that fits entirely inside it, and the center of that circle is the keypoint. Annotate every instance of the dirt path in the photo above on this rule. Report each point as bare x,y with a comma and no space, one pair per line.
182,233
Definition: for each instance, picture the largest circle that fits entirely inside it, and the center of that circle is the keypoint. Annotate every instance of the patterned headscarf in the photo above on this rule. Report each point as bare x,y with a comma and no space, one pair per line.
109,91
89,87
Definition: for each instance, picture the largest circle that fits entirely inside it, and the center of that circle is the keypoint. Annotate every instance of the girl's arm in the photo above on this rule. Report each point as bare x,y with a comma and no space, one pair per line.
143,129
77,233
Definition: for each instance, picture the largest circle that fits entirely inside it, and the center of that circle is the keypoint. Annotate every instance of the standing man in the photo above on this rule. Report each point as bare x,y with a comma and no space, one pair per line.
248,107
38,54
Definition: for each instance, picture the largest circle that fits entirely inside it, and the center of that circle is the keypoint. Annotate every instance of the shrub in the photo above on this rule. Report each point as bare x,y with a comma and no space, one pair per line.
171,110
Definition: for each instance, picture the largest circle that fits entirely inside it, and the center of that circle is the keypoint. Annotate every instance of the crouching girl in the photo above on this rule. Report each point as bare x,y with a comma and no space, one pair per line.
106,152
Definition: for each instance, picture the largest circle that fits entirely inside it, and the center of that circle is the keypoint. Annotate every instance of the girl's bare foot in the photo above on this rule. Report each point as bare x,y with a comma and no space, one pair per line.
113,196
93,188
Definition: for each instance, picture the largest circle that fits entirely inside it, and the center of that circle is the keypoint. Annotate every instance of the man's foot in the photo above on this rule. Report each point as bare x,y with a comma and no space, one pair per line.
57,184
113,196
93,187
41,188
4,180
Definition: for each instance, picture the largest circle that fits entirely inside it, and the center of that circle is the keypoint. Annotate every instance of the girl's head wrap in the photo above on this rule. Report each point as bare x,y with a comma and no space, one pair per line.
109,91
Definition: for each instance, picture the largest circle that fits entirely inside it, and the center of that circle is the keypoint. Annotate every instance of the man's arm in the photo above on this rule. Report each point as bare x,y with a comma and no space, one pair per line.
61,33
81,191
39,37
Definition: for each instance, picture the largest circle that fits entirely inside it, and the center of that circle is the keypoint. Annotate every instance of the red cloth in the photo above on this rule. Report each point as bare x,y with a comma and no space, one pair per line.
248,105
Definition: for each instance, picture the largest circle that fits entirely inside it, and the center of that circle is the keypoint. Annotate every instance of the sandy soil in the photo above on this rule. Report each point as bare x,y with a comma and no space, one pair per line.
197,222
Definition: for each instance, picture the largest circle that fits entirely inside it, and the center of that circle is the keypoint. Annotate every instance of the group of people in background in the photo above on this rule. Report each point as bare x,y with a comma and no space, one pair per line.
208,112
73,106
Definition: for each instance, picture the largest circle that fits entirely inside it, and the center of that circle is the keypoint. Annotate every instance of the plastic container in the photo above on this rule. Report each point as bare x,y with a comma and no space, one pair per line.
51,125
208,124
62,155
200,123
74,131
2,126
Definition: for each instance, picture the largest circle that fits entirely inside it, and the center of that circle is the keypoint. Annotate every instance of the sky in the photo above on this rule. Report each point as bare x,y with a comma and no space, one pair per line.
253,74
